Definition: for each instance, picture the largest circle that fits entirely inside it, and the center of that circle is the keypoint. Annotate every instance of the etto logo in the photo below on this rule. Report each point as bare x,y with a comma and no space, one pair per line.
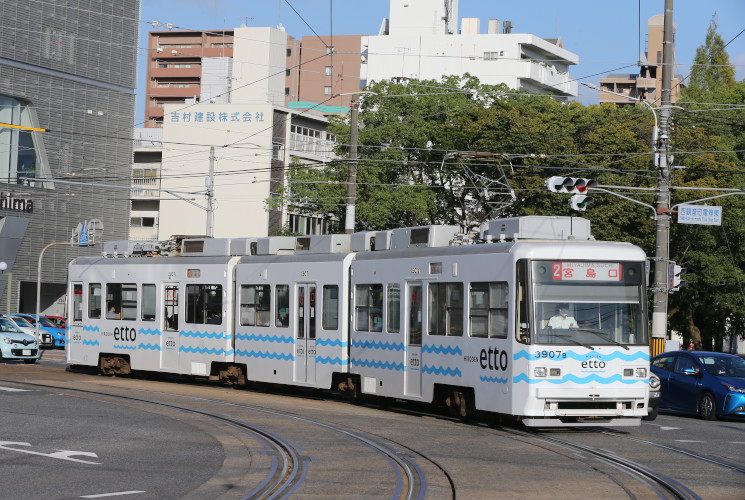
125,334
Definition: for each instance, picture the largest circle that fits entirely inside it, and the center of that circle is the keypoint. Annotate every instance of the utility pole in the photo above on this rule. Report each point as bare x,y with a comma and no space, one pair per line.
349,220
662,254
210,183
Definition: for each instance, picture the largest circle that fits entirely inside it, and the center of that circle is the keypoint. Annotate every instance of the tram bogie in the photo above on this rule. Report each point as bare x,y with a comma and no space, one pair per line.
534,321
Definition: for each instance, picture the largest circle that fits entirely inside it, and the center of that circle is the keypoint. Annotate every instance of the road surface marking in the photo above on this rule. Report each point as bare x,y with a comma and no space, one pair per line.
13,389
60,454
688,441
118,493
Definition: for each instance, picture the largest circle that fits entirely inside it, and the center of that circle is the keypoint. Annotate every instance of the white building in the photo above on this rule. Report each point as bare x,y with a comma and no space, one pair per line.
421,41
241,117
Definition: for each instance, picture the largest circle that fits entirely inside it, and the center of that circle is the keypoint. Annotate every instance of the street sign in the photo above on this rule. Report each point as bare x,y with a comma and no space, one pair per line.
87,233
700,214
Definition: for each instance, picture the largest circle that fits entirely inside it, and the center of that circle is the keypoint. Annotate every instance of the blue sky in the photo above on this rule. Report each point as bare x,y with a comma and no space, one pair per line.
607,37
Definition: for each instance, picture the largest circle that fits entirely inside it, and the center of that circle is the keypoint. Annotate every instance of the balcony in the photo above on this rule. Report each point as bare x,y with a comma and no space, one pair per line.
320,148
548,77
145,187
193,72
192,91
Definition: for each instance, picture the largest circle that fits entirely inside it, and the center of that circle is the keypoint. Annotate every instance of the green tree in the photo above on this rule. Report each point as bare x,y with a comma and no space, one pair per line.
709,139
711,65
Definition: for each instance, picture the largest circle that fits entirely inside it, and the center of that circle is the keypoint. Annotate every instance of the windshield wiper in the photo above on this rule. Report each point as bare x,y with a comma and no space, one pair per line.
570,339
601,333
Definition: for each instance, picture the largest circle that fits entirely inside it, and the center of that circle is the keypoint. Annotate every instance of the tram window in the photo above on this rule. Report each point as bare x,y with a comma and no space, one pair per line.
282,316
488,310
115,300
394,308
369,308
94,300
129,302
170,303
204,304
446,309
415,315
148,302
330,307
255,305
77,304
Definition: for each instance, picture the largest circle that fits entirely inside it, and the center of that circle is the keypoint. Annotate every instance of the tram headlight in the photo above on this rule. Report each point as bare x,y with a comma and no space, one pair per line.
540,371
641,372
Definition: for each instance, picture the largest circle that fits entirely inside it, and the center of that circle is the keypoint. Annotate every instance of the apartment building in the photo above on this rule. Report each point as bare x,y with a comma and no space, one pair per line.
628,89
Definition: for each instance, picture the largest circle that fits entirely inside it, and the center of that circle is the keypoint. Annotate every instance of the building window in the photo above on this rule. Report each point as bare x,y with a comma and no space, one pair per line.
329,70
142,222
22,153
491,56
287,90
289,52
277,151
326,90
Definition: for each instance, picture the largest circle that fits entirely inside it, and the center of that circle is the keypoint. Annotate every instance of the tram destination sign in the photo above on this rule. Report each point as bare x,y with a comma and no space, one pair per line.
700,214
587,271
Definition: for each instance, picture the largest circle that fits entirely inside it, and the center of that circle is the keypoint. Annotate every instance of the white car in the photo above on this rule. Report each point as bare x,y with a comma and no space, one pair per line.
44,339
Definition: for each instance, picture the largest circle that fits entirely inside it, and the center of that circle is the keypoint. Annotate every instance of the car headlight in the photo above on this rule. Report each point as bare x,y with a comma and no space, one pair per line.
654,382
732,388
8,340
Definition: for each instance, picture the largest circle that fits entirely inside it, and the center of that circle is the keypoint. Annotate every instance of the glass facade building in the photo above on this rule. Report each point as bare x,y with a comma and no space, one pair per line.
67,104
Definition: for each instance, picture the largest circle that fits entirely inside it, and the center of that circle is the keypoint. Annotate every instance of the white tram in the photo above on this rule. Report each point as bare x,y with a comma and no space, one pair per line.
533,319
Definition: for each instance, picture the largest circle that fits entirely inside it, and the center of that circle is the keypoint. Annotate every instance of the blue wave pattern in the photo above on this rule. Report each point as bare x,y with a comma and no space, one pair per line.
581,380
203,335
331,343
493,380
202,350
265,355
381,365
148,331
388,346
640,355
328,360
265,338
91,342
91,329
145,347
440,370
443,349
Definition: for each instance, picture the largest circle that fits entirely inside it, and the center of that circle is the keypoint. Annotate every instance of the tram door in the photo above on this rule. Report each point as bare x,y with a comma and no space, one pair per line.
413,339
305,333
170,342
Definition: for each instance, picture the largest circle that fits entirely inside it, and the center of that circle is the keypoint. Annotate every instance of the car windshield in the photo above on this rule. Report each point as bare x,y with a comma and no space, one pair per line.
22,322
724,366
47,323
7,325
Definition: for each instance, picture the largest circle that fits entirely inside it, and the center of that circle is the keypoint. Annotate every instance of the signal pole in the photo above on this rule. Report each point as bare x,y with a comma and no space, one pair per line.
662,254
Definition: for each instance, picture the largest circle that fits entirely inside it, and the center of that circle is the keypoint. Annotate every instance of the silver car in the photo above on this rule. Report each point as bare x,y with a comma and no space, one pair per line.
14,344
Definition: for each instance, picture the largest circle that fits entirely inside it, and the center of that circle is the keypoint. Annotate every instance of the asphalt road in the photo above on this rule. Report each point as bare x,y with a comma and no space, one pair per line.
79,435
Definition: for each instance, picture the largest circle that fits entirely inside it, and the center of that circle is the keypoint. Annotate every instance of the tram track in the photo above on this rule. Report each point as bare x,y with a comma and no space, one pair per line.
290,466
664,486
720,461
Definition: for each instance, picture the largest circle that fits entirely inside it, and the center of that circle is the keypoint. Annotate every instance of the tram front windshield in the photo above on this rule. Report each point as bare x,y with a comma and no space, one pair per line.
588,303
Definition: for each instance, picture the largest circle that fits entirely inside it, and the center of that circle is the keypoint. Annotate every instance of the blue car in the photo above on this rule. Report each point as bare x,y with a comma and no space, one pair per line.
710,384
58,334
14,344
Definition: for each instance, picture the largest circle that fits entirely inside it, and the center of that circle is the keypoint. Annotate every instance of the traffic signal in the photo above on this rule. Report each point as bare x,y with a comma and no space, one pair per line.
675,274
579,202
574,185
